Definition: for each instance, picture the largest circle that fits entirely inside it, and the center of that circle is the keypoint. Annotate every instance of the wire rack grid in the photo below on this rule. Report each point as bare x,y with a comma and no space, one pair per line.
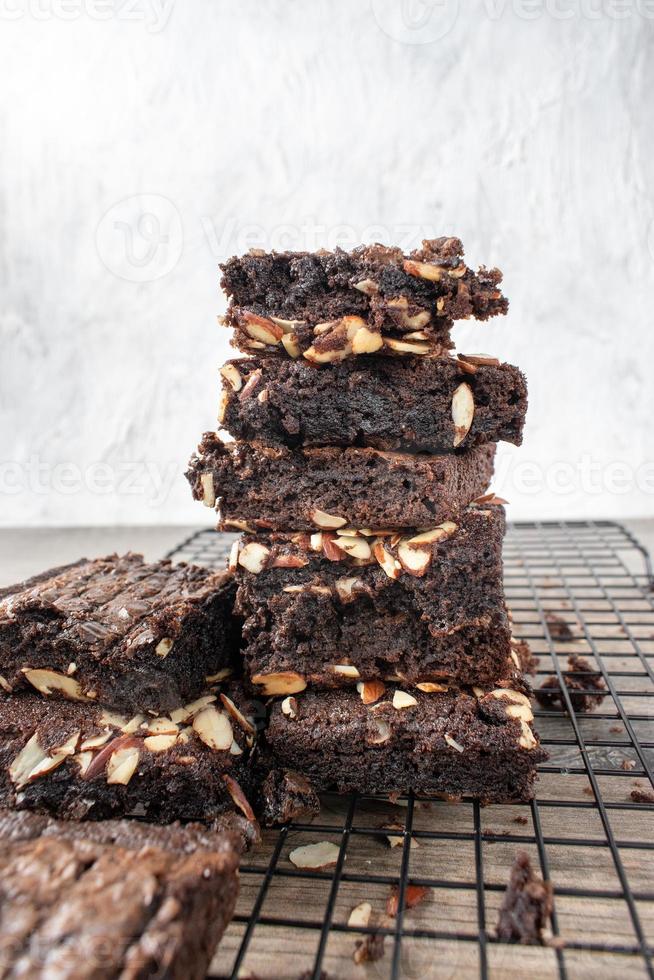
589,829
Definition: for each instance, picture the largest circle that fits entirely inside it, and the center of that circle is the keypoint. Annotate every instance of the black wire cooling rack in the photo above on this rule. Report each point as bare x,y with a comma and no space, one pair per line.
589,830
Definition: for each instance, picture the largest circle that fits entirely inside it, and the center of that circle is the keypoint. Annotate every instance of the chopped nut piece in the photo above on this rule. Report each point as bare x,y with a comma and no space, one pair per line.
371,691
289,707
431,687
347,670
220,676
286,682
239,797
444,530
367,286
406,347
321,519
253,557
95,741
366,341
189,710
47,681
413,895
288,326
164,647
413,561
232,375
259,328
354,547
5,685
238,715
233,556
401,699
29,758
360,915
452,742
527,739
159,743
479,359
382,729
223,402
345,587
122,765
463,410
214,728
423,270
291,346
385,559
315,857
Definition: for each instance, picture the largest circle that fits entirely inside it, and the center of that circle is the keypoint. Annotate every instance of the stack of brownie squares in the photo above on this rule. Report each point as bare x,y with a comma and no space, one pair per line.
118,698
369,566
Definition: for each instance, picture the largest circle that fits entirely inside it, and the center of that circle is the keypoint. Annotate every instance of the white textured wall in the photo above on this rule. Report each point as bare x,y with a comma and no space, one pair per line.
524,127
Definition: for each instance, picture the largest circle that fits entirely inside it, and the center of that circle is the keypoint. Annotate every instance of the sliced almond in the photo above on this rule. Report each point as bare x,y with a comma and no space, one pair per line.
220,676
122,765
288,326
208,492
527,739
479,359
232,376
521,711
160,726
431,687
401,699
413,561
289,707
366,341
463,410
315,541
360,915
452,742
238,715
423,270
262,329
327,356
253,557
223,404
5,685
315,857
187,711
367,286
285,682
444,530
95,741
159,743
47,681
345,587
346,670
164,647
213,728
406,347
83,760
508,694
232,564
235,748
238,796
354,547
322,519
371,691
29,758
291,346
386,560
382,731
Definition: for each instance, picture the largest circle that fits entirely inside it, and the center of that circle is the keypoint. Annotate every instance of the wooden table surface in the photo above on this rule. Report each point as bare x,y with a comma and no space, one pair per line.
600,858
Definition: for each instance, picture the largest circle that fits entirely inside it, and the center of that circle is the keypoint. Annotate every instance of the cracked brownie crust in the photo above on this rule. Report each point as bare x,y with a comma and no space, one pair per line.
80,761
280,489
329,608
327,306
413,405
71,905
456,742
118,631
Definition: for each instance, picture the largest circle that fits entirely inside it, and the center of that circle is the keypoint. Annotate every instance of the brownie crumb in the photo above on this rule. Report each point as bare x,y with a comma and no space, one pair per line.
642,796
523,821
558,628
413,895
580,688
288,796
369,950
616,730
527,905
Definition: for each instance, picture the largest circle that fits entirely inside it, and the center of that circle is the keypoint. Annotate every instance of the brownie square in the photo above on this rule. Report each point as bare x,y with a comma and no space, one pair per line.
390,740
330,609
118,631
80,761
281,489
328,306
127,900
395,404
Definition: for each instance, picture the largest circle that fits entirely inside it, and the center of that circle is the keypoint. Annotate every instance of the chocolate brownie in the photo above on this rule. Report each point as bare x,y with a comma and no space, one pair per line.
455,742
412,404
527,904
328,609
276,488
80,761
117,631
326,306
129,902
287,796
